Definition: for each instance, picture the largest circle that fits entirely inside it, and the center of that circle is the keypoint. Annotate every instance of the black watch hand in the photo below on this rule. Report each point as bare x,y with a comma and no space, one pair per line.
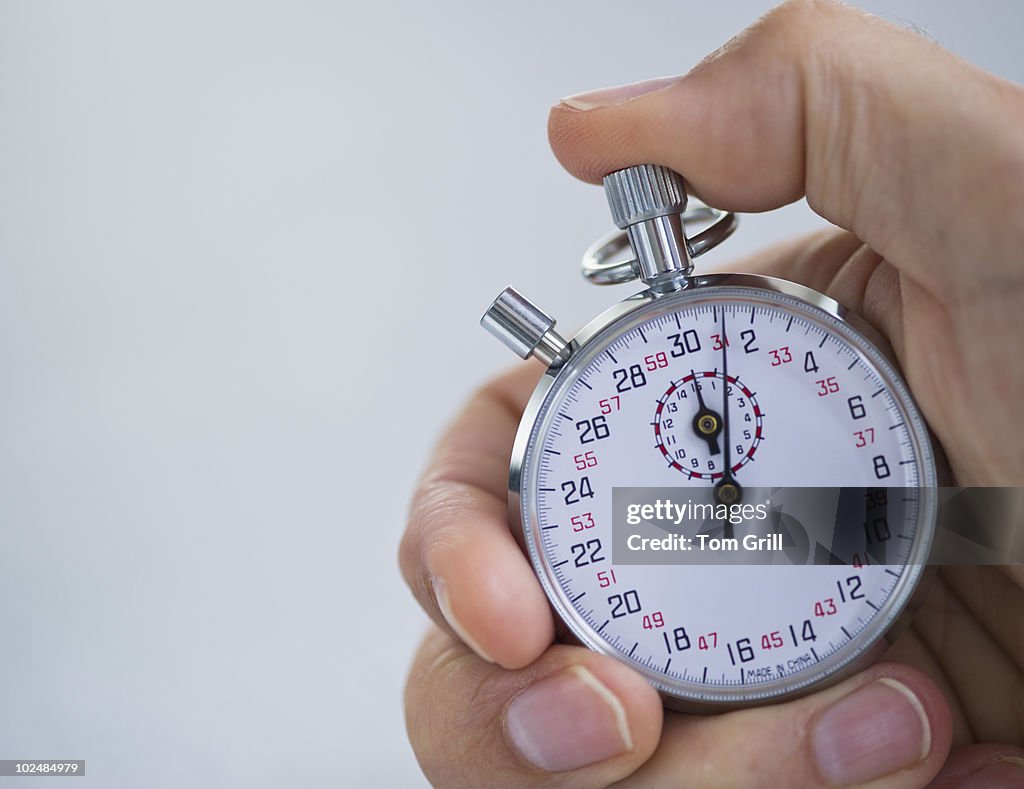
728,490
706,424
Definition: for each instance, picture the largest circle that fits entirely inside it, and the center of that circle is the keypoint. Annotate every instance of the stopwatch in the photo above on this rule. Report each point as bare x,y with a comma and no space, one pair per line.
717,386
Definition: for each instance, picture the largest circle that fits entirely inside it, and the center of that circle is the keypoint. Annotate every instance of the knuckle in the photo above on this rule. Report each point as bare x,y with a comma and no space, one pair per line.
797,26
453,707
434,506
409,557
809,11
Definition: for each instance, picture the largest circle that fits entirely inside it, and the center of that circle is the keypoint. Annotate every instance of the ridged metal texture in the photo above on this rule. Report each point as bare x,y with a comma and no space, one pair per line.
644,192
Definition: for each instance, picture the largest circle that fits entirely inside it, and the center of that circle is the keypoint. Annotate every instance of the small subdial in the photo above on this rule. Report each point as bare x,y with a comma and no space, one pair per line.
693,419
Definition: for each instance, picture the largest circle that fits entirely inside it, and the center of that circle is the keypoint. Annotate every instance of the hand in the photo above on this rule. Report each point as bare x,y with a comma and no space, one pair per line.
706,423
919,157
728,490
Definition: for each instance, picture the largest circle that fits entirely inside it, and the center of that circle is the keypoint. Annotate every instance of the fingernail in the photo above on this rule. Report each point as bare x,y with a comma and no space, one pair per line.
620,94
1007,773
444,604
877,730
567,721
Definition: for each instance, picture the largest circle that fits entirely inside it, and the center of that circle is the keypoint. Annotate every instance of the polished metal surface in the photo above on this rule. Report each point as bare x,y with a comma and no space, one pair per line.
524,328
650,207
649,201
622,317
652,261
662,254
643,192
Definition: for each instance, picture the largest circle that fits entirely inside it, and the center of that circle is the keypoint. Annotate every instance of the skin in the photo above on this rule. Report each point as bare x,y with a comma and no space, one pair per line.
916,157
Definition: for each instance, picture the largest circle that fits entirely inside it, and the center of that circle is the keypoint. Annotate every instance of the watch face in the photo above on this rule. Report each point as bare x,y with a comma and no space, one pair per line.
743,388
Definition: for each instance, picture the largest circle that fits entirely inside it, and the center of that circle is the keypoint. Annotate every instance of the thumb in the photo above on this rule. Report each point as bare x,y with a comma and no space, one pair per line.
878,127
886,728
572,718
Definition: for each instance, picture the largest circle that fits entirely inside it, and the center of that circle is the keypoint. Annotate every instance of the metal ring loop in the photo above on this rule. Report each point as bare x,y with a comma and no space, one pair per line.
600,268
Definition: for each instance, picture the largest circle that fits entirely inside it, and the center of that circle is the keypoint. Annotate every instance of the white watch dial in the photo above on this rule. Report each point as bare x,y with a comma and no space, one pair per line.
805,404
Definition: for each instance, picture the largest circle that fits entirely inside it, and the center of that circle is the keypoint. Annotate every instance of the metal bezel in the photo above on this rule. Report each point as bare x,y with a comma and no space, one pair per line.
907,596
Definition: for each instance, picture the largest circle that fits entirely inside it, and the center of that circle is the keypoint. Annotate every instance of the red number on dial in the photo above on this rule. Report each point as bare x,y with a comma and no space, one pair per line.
656,361
827,386
826,607
586,460
653,621
581,522
864,437
781,356
606,578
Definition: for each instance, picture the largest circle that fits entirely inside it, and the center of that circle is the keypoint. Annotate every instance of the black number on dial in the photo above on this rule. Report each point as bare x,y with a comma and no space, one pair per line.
585,553
591,430
585,491
632,378
629,600
687,342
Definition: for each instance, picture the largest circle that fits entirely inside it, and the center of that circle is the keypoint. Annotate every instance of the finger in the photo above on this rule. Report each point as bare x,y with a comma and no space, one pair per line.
982,767
876,125
981,674
458,555
838,264
886,728
573,718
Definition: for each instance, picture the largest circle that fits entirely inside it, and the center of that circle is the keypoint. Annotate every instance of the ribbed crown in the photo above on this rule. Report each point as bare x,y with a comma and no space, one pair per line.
644,192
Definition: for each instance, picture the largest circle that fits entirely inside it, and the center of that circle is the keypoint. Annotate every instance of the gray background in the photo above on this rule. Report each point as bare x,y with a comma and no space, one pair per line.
243,250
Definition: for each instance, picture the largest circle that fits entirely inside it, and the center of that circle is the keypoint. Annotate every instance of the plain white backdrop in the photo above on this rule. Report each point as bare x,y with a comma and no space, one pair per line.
243,252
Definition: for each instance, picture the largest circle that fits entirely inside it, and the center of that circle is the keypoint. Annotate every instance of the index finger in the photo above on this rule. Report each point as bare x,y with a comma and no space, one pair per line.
458,555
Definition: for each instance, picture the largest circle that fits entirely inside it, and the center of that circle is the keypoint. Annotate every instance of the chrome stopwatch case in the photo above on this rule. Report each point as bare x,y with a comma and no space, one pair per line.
731,391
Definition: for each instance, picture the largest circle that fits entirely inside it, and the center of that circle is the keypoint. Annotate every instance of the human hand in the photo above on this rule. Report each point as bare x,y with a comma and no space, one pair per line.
918,156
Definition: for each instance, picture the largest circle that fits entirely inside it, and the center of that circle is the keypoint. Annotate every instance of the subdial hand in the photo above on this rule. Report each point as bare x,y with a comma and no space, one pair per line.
706,424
